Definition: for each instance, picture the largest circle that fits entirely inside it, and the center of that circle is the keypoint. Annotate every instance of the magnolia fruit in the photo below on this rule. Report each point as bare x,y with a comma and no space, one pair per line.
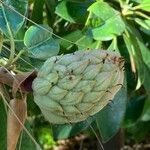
72,87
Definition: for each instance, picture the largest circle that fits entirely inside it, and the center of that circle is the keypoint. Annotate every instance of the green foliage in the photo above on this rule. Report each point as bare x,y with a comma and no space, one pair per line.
104,22
71,25
110,118
3,123
7,16
40,44
73,11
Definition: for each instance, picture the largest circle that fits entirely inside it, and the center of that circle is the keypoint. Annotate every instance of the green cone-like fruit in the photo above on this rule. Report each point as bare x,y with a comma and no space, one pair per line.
72,87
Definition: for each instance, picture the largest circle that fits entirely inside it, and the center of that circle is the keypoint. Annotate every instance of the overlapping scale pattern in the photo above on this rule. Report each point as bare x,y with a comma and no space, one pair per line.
72,87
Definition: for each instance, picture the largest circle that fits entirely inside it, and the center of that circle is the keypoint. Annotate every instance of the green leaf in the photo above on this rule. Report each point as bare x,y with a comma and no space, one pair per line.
40,43
143,23
110,118
72,36
104,22
146,82
87,43
9,18
145,5
146,111
134,110
68,130
73,11
113,46
135,54
3,125
145,53
145,31
132,44
36,35
77,37
139,130
130,76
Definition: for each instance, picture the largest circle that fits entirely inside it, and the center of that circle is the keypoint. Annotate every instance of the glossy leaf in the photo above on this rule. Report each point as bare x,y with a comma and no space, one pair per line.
145,5
7,15
110,118
104,22
72,36
144,23
39,42
73,11
135,54
78,38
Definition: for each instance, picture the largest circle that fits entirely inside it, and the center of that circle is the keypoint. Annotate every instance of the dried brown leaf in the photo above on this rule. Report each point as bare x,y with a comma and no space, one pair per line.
17,112
6,77
24,82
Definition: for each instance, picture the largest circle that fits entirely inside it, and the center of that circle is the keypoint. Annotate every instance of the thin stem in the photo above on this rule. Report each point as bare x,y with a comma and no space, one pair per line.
142,15
18,56
22,59
75,42
101,145
140,6
87,21
99,141
98,44
136,7
115,43
15,40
